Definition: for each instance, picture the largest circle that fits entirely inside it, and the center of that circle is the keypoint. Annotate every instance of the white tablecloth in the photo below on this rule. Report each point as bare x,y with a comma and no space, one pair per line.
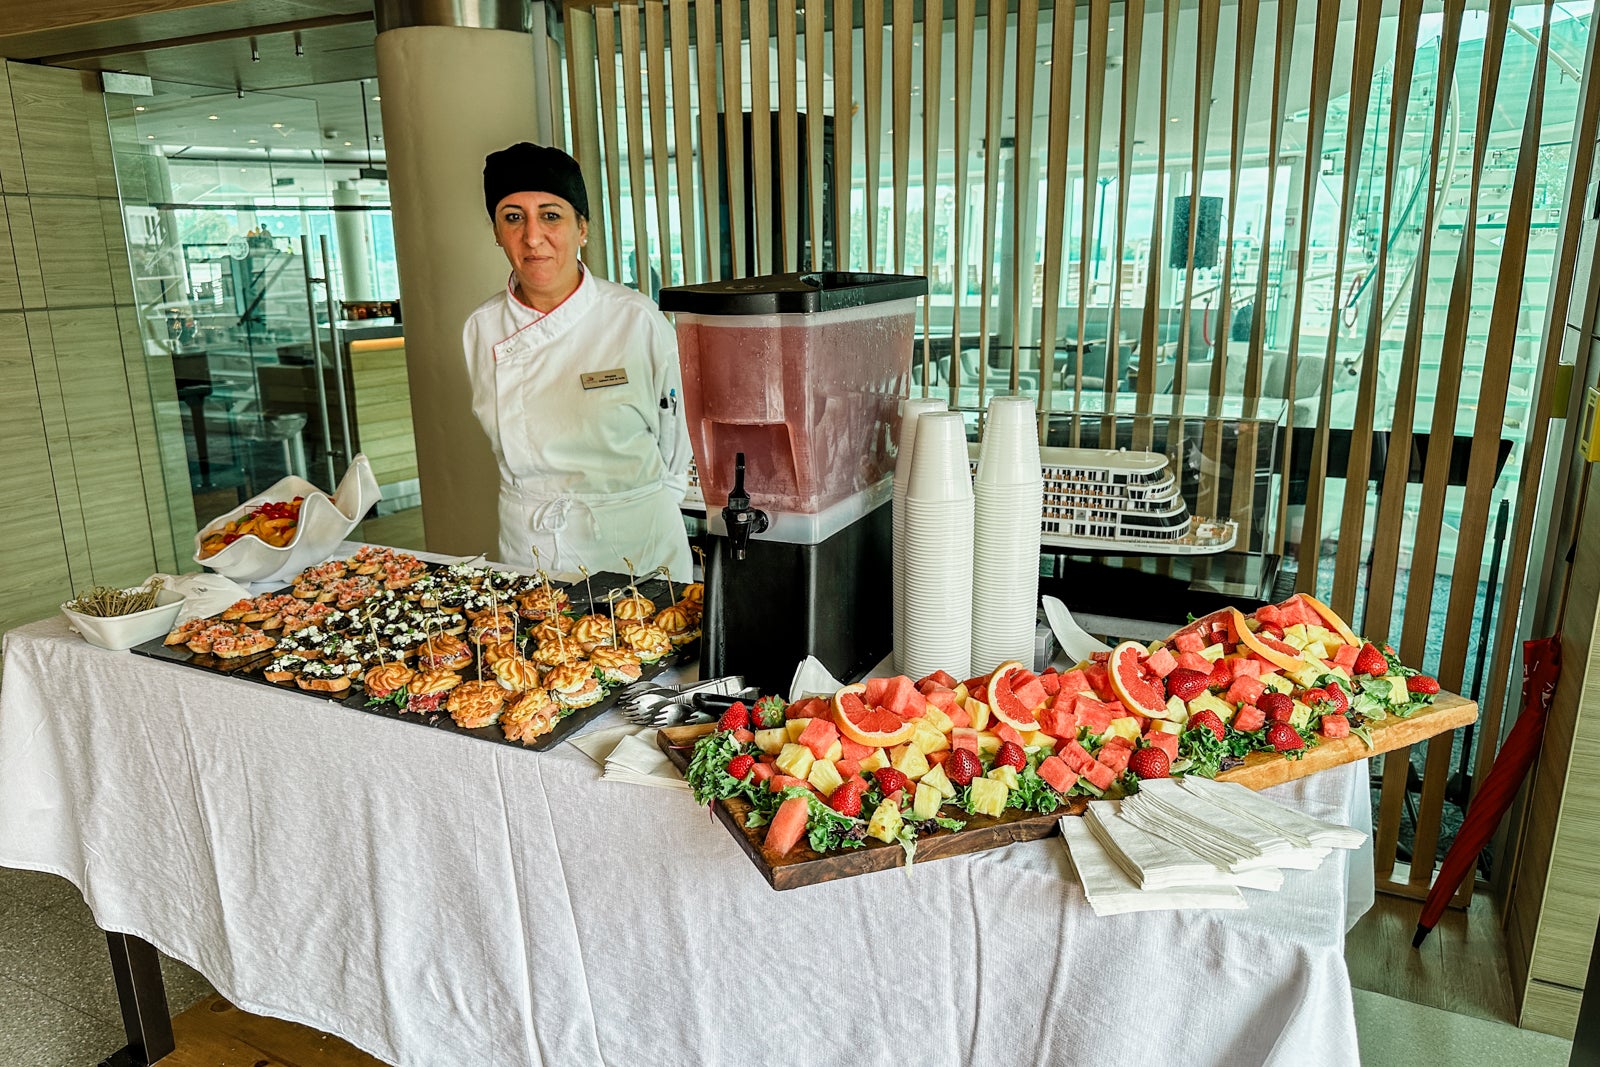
438,900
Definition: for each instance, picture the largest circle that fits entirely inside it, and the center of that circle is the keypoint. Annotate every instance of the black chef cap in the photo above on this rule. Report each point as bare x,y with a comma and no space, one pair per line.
528,167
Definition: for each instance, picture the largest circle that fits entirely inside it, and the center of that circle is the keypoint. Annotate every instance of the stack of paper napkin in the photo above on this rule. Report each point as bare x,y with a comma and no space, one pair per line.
1193,843
625,754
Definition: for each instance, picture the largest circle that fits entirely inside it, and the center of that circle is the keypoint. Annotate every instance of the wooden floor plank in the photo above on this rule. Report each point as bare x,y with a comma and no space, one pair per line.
214,1033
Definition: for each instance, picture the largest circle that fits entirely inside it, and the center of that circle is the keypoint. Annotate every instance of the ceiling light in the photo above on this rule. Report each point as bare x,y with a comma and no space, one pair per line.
377,98
149,137
347,144
1173,119
277,125
213,118
254,141
138,107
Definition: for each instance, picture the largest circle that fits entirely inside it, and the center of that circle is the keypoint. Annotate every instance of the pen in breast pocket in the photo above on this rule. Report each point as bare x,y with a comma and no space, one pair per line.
672,394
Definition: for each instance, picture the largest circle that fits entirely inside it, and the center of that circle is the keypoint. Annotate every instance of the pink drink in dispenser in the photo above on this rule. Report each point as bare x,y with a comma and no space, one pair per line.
803,373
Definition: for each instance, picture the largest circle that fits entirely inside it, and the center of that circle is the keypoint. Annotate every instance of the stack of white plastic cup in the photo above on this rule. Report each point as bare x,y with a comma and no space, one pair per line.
909,411
936,549
1008,501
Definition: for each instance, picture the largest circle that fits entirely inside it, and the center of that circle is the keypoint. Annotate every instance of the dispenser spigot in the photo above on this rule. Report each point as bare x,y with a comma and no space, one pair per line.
742,520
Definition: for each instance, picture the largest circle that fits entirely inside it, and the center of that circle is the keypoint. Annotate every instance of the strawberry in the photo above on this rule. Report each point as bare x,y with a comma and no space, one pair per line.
739,766
1221,676
890,779
1284,738
1011,755
1337,697
1422,683
1208,720
1186,684
1312,697
735,718
1150,763
1370,661
768,713
962,766
1278,706
846,800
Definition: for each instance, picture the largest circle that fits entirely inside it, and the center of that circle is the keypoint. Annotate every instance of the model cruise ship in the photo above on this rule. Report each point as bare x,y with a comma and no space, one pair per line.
1118,502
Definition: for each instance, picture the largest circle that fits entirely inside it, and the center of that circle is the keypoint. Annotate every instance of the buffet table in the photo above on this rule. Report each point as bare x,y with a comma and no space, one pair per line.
435,899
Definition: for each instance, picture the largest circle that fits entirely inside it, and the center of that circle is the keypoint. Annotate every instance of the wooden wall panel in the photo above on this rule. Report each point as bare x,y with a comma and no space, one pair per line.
637,266
994,33
12,178
682,134
733,132
705,49
73,257
10,282
789,137
844,121
581,73
25,250
605,38
872,117
655,56
761,134
53,130
58,440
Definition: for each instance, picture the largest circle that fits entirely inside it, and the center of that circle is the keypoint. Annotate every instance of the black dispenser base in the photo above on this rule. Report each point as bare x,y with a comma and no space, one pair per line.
782,602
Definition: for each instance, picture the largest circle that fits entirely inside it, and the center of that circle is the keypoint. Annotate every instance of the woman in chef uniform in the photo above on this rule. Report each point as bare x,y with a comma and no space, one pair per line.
575,380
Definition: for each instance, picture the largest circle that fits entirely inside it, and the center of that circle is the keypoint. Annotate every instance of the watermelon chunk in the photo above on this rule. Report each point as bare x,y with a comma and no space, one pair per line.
897,695
958,715
762,771
943,699
779,782
1077,757
1335,726
854,751
936,758
940,679
1051,682
1194,661
1094,714
1059,722
1345,656
819,736
1031,695
1099,775
964,737
788,825
809,708
1073,682
847,767
1245,667
1057,774
876,687
1249,718
1161,662
1245,690
1188,641
1006,733
1166,742
1100,681
1115,757
1269,613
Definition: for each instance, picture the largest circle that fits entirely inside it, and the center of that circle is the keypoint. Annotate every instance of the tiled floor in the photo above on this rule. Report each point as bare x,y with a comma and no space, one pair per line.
58,1007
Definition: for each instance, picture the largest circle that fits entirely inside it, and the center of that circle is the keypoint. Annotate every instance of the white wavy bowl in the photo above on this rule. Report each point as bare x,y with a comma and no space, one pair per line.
324,522
118,632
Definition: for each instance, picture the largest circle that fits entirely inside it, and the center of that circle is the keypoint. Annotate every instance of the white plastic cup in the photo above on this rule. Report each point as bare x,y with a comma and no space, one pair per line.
910,409
939,467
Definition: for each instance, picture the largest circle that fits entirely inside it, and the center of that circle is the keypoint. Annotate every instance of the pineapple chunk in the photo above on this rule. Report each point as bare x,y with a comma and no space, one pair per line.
1166,727
926,804
1214,652
825,776
1307,676
1277,683
795,760
909,761
1342,674
1177,710
1127,726
1398,693
940,721
875,762
772,741
1300,716
1316,649
885,822
835,752
929,738
1211,702
989,796
961,693
1295,633
988,742
1322,635
796,727
1038,739
1005,774
979,711
940,781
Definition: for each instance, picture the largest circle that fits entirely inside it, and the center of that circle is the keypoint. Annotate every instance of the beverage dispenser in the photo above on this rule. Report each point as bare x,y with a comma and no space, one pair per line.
792,384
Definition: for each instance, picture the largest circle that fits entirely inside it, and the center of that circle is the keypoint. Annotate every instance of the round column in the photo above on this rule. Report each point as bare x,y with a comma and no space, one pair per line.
457,81
355,243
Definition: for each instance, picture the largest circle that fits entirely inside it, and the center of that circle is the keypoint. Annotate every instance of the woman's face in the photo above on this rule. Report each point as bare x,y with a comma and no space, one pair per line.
540,234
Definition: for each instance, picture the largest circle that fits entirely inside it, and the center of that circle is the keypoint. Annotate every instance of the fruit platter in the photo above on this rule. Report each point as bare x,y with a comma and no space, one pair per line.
894,771
492,653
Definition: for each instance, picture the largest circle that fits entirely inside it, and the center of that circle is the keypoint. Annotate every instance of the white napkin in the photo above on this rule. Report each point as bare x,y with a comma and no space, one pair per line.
1155,863
204,594
1286,820
1112,892
638,762
598,744
1196,815
811,679
1229,853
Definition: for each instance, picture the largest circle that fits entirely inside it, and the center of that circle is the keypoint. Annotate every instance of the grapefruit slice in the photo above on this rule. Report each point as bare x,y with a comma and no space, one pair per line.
866,725
1003,699
1134,683
1284,657
1331,617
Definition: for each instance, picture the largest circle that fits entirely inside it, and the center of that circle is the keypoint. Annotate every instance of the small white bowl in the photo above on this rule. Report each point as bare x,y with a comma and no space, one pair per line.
119,632
324,522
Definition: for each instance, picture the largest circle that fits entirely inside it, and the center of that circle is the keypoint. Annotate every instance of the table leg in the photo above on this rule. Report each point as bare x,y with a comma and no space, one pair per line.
136,966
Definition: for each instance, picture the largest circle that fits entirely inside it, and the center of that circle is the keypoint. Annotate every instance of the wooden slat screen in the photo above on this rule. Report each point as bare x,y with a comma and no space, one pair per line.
1383,259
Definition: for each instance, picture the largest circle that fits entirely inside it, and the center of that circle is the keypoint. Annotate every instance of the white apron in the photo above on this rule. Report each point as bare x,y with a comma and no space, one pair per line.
590,477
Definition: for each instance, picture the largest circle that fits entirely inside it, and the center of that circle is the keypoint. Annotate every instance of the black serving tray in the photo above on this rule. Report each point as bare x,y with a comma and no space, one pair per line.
249,669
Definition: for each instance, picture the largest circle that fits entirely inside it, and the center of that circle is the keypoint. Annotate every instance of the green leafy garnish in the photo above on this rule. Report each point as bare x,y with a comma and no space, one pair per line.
1033,793
708,775
1365,733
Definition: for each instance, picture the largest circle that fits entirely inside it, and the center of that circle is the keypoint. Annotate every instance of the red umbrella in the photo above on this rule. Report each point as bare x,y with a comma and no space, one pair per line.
1541,666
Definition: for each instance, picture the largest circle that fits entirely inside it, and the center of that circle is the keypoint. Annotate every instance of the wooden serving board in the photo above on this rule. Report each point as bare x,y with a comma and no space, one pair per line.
1260,770
805,867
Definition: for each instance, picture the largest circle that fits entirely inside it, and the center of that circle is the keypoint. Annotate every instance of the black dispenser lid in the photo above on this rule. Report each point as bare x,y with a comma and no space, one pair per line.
802,293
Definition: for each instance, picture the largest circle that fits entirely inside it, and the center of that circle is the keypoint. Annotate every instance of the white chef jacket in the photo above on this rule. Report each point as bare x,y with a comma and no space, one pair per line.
589,476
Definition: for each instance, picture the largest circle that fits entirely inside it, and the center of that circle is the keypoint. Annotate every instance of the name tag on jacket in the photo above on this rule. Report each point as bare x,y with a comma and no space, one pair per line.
601,379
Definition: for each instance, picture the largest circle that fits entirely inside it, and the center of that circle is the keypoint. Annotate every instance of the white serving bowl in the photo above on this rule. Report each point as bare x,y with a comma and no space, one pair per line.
118,632
324,522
